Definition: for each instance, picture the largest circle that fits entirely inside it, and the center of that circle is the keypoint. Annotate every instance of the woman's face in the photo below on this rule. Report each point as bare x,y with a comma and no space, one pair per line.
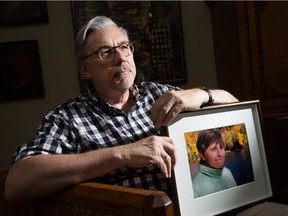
214,155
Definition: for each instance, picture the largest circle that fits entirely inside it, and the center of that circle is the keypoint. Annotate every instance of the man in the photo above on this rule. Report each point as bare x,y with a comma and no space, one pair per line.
112,133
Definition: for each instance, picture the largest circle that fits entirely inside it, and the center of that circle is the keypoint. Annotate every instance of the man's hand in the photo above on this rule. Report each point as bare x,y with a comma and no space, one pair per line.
155,150
165,109
171,103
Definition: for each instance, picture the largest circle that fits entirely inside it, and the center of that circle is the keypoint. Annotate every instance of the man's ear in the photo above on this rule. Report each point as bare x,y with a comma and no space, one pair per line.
83,70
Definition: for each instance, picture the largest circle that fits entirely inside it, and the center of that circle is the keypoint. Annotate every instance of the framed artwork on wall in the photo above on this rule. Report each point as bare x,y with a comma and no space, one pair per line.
23,12
224,145
155,29
20,70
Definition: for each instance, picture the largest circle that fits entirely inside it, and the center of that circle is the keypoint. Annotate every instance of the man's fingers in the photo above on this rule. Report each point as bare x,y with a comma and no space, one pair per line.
167,162
164,165
166,108
160,111
173,112
159,151
171,150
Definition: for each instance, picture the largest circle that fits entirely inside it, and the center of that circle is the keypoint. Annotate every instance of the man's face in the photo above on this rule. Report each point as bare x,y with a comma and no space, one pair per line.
108,77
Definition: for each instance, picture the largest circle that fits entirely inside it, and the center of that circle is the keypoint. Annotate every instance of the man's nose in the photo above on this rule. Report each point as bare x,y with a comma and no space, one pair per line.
119,57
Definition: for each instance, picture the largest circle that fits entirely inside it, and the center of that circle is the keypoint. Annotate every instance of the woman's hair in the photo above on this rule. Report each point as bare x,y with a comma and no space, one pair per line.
96,24
206,137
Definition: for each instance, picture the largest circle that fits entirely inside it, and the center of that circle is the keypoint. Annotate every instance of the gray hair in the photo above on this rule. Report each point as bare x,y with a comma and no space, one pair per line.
98,23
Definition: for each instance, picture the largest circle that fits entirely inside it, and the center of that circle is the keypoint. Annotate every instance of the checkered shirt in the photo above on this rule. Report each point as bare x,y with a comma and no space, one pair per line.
87,123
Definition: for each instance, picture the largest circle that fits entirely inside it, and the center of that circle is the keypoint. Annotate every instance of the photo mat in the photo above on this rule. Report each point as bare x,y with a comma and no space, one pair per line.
241,127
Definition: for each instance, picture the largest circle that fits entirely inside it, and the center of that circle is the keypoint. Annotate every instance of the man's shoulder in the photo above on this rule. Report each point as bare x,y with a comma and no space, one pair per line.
68,105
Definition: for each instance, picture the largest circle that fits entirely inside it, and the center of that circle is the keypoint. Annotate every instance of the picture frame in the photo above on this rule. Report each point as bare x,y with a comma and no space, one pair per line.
247,161
155,29
20,70
23,12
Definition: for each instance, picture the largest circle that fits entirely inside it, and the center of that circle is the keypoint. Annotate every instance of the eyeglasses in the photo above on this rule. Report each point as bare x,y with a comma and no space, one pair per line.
107,53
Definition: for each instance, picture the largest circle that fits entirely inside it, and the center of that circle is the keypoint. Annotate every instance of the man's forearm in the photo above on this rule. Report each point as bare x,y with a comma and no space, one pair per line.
41,175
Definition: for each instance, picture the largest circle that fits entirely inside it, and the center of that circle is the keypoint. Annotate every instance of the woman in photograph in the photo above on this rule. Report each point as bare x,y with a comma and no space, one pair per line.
212,176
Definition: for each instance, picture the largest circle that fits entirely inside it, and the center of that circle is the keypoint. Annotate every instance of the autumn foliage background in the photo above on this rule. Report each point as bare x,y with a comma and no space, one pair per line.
234,136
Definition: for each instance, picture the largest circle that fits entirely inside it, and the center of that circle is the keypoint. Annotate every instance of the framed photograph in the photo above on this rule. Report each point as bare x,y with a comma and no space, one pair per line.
155,29
20,70
221,162
23,12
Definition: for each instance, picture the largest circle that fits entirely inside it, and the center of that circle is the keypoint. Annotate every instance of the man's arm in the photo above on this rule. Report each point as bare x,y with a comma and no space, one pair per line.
40,175
171,103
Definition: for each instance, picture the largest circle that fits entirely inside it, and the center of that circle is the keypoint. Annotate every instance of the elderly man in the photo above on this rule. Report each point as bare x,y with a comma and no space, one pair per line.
111,133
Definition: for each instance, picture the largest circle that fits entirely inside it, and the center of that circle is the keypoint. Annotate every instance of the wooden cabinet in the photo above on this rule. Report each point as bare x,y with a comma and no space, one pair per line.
251,52
276,153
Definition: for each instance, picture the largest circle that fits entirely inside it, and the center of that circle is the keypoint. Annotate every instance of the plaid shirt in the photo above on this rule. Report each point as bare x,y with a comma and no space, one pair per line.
87,123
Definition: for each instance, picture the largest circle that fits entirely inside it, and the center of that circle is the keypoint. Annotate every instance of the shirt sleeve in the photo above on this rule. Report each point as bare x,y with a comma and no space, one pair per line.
54,136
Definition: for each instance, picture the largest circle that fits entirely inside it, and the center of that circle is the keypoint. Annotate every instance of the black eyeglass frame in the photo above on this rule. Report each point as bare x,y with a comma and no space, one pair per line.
98,54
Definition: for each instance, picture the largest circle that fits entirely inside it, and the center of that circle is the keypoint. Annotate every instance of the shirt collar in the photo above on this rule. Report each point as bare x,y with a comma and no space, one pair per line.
91,91
91,94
